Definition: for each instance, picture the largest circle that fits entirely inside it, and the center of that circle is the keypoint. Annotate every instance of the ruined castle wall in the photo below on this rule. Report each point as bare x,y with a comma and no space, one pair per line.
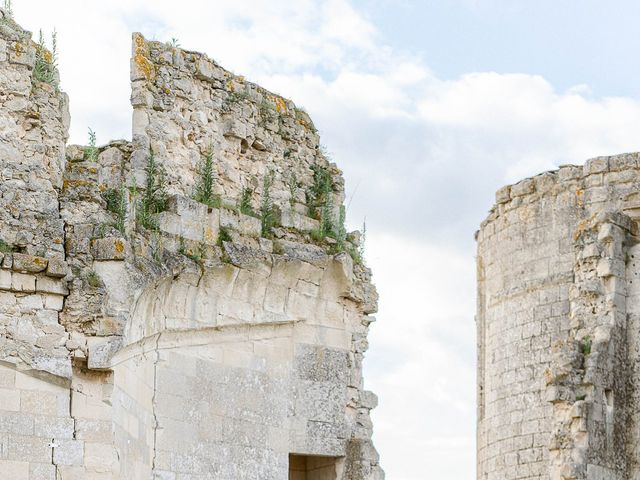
33,131
197,345
260,370
185,104
553,299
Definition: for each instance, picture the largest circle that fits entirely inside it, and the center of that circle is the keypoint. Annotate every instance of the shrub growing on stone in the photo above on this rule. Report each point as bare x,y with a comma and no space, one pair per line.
204,184
44,69
267,217
154,198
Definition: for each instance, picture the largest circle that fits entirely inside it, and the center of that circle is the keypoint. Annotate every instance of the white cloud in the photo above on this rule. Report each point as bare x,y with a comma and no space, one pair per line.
426,155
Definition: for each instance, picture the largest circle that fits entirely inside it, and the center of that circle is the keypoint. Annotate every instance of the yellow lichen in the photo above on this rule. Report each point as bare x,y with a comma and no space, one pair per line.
141,59
119,246
281,105
41,262
19,49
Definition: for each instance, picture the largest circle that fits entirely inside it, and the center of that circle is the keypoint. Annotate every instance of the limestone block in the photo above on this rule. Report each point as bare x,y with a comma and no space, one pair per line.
503,195
303,251
192,229
100,455
110,248
28,263
22,53
207,71
234,128
524,187
50,285
101,350
291,219
9,400
276,298
68,452
25,448
596,165
53,302
98,431
368,399
42,471
186,207
169,222
5,279
57,267
23,283
53,427
248,225
212,227
14,470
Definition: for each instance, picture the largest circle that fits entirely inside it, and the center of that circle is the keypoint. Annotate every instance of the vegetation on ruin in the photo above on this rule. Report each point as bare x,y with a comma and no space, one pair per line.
91,150
223,236
292,184
154,197
585,347
204,183
244,203
93,279
5,247
45,66
357,251
116,199
267,216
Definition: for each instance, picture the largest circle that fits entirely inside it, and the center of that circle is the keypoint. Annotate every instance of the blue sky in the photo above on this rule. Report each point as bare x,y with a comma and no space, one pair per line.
568,42
428,107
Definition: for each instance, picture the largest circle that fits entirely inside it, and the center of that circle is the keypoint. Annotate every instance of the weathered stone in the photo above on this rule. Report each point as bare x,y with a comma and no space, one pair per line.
57,267
130,339
28,263
110,248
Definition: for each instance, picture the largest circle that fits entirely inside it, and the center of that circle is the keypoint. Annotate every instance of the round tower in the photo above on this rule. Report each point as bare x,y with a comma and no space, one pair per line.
558,325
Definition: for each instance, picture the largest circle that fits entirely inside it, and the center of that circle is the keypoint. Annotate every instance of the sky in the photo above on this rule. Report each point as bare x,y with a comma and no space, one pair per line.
429,106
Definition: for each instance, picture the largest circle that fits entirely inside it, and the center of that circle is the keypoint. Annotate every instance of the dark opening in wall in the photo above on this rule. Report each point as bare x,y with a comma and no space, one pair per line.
244,146
311,467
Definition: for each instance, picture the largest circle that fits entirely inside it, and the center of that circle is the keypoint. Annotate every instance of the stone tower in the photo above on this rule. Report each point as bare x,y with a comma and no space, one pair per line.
559,326
186,305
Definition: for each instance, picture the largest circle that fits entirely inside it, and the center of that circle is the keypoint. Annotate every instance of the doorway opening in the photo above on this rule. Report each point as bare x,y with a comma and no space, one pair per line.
312,467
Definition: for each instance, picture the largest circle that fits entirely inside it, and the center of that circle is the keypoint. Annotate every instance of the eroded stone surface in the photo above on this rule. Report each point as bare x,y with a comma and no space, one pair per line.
195,343
557,326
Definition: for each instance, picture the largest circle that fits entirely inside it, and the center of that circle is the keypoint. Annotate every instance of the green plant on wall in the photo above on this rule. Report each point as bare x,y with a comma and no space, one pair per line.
204,183
93,279
319,193
357,251
116,199
154,197
244,204
267,216
223,236
44,68
5,247
292,184
91,150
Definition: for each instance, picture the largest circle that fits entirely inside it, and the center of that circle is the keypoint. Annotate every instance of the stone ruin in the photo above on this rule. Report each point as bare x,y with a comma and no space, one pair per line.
559,326
147,335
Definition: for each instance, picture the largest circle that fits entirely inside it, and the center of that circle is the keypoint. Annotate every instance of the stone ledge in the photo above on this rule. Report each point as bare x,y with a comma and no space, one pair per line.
28,283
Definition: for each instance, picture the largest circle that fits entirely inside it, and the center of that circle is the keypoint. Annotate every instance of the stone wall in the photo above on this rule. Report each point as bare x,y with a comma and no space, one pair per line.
557,353
195,343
